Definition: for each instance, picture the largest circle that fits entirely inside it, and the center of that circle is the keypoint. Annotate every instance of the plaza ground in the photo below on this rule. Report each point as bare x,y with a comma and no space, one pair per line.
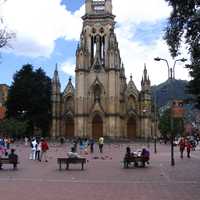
102,179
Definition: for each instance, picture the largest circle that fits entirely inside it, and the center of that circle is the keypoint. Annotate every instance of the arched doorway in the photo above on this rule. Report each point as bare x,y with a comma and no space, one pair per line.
97,127
69,127
131,127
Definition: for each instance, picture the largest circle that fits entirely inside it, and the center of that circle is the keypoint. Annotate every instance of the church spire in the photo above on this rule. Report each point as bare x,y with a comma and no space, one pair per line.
145,83
56,79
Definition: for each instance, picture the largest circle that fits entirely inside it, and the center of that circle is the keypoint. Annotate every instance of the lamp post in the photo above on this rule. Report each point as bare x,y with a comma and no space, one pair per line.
155,121
145,112
171,76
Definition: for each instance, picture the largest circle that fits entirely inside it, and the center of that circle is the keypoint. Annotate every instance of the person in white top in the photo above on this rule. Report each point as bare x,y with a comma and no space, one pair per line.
33,149
101,142
73,153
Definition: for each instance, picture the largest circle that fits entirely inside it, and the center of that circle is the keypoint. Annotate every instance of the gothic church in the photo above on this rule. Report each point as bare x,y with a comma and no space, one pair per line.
101,103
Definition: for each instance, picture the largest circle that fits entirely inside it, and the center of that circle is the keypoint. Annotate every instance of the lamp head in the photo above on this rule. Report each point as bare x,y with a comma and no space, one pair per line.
157,59
183,59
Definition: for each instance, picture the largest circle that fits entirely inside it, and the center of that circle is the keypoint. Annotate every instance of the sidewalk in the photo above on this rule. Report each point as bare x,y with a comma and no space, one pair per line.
103,179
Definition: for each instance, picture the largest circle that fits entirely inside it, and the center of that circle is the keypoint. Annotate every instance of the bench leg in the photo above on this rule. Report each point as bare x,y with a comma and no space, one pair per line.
14,166
126,164
60,168
0,166
82,166
67,166
135,164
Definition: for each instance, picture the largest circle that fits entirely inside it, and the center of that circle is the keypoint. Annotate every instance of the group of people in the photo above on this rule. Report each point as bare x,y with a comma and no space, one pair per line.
86,144
139,153
184,143
83,147
4,145
39,148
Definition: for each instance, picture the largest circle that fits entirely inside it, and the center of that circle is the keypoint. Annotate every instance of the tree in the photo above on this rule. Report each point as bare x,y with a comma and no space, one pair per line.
29,98
185,22
5,34
13,128
165,124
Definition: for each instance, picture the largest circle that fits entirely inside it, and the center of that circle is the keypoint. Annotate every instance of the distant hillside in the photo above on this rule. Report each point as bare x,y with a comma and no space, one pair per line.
176,89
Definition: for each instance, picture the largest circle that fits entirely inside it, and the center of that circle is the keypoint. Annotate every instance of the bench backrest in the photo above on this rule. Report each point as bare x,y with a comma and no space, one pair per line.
72,160
7,160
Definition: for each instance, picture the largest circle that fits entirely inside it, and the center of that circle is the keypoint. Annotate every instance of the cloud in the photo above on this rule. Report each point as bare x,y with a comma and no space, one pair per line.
38,24
68,66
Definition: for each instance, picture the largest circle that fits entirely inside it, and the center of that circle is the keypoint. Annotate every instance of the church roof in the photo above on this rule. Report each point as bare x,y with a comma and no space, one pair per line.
131,88
69,90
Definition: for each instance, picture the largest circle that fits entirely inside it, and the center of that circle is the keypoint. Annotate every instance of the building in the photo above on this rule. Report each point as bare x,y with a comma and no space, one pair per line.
101,103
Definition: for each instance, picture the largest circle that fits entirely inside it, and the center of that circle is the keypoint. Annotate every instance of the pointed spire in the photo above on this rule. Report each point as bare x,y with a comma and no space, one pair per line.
122,65
131,77
145,72
55,79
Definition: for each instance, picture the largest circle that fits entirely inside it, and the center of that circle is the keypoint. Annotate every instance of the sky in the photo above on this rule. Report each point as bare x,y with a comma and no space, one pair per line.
48,31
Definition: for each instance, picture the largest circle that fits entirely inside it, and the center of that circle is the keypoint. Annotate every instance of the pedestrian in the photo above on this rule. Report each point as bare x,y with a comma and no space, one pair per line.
101,143
45,148
38,150
182,147
91,145
33,148
188,148
81,145
26,141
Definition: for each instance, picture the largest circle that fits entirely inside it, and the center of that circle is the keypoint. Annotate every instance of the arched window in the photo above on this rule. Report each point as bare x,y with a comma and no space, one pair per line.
131,102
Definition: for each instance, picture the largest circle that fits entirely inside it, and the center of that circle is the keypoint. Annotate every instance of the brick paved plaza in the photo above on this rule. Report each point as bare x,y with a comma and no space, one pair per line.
102,179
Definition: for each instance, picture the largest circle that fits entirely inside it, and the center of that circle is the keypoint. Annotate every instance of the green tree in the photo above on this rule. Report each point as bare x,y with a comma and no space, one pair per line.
185,22
13,128
165,124
29,98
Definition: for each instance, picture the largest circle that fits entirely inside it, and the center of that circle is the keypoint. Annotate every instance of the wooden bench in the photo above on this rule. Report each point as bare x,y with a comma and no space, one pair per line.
68,161
13,162
138,161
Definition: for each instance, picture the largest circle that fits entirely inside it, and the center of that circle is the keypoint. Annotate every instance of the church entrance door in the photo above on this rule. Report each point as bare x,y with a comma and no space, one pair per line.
131,127
69,130
97,127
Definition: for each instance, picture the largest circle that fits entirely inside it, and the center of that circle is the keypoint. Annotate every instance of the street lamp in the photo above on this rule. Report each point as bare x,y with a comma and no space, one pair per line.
155,121
145,112
171,75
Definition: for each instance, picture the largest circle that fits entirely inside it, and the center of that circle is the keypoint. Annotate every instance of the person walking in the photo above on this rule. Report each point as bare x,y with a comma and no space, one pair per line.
38,150
45,148
188,148
33,149
91,143
101,143
182,147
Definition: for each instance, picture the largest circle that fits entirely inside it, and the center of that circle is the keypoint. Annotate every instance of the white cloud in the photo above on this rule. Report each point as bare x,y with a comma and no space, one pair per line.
131,15
39,23
68,66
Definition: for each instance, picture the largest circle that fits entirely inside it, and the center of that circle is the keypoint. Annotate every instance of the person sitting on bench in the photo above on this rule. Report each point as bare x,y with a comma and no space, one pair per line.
128,152
145,153
14,157
73,153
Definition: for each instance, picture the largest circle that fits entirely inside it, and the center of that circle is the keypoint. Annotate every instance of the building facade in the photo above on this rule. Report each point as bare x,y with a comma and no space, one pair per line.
102,103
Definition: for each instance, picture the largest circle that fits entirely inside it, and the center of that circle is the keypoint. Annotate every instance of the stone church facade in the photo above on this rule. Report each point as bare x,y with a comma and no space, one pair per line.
102,103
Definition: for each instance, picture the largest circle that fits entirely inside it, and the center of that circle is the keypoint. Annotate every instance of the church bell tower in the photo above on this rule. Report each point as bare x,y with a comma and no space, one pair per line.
98,73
